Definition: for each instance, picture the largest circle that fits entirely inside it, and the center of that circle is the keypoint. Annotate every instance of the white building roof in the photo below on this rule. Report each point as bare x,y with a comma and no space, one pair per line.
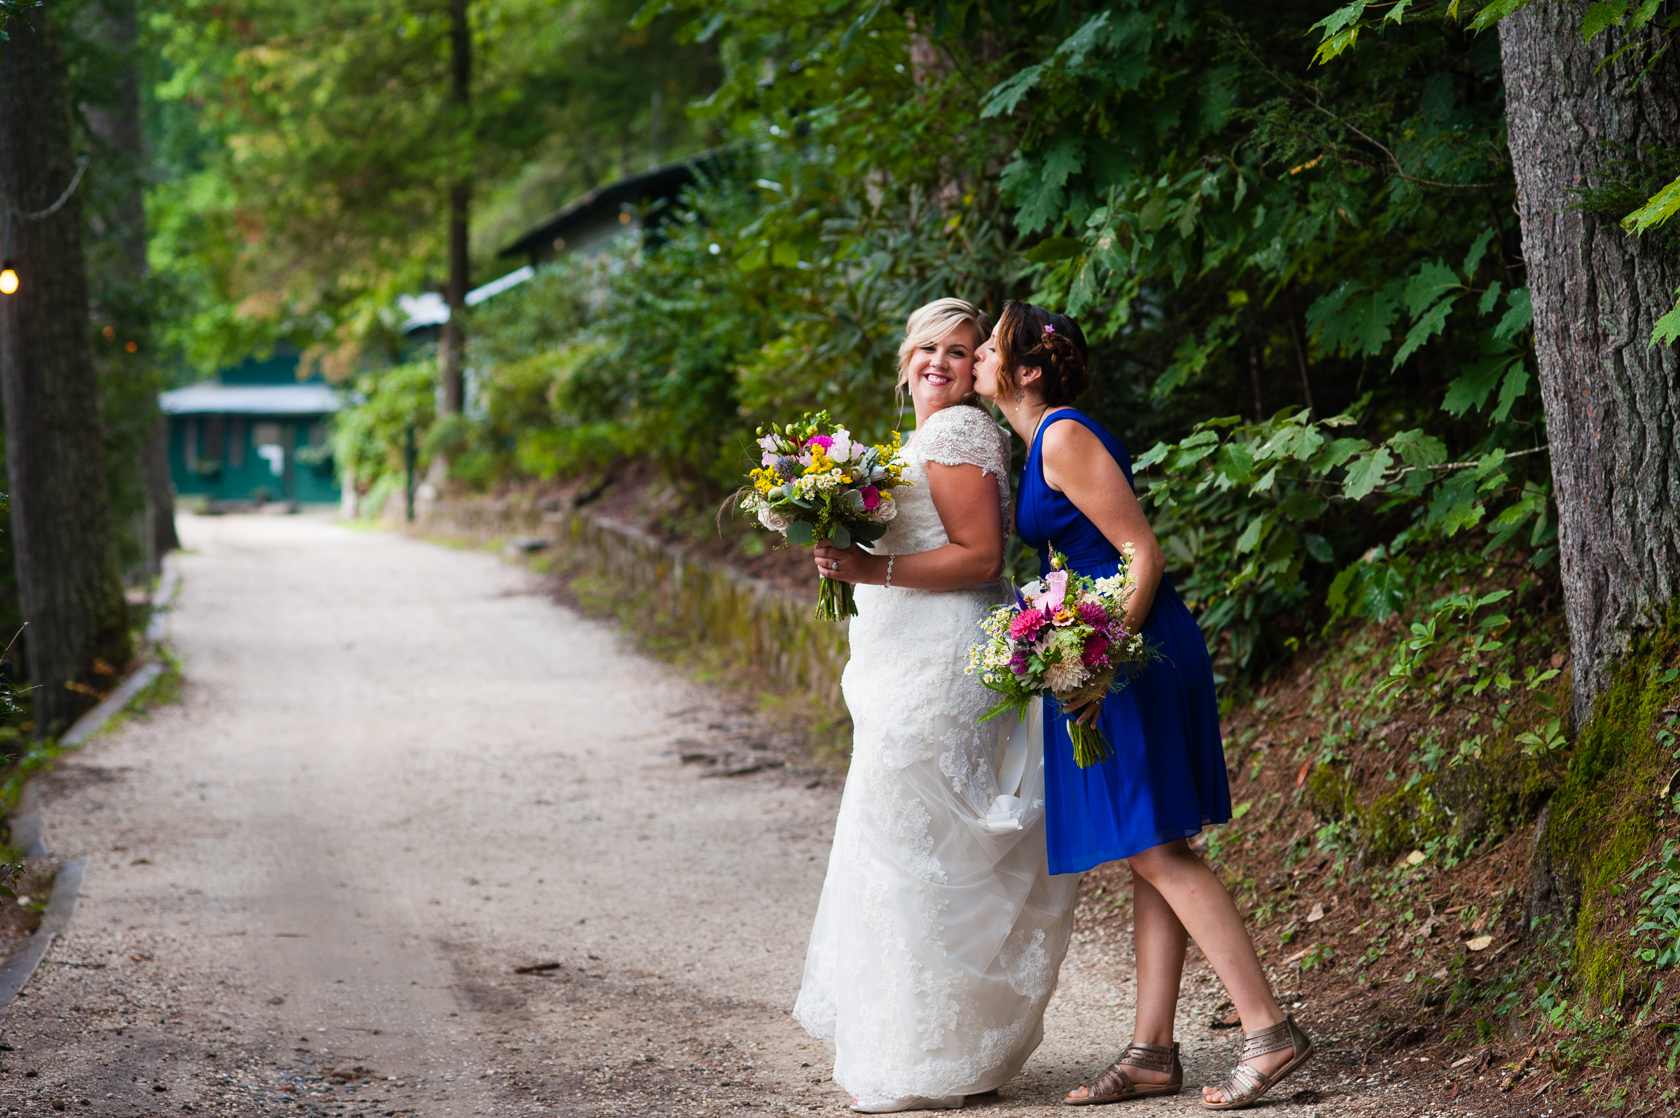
212,397
429,308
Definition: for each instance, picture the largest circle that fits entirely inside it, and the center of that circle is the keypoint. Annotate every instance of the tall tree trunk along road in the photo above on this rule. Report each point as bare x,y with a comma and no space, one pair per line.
454,338
68,582
1612,401
117,124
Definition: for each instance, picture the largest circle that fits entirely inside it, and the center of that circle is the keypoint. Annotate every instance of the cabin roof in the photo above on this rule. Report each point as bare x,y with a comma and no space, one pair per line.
660,182
215,398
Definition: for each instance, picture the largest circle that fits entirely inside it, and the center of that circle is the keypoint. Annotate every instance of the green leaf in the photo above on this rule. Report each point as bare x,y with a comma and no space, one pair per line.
841,537
1657,209
860,23
1495,11
1353,320
784,255
1489,298
1335,453
1398,12
1253,533
1004,96
1514,389
1518,317
801,533
1153,455
1431,323
1667,330
1302,505
1294,440
1472,389
1430,282
1419,449
1454,507
1600,16
1643,14
1337,596
1477,251
1235,464
1341,30
1366,473
1063,159
1052,249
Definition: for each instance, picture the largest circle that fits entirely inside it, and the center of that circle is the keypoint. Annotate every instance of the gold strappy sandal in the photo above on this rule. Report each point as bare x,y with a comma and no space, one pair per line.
1246,1085
1115,1085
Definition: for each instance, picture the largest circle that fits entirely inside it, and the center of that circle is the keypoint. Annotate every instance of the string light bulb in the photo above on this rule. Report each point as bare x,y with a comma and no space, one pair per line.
8,279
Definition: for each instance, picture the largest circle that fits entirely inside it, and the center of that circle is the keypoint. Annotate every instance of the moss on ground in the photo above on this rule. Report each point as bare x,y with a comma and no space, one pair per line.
1477,799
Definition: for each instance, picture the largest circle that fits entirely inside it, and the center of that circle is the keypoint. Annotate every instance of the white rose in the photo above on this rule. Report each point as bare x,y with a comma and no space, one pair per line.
772,520
884,511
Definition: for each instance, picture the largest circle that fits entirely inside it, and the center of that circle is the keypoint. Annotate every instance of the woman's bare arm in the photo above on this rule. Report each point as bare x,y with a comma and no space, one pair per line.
967,500
1078,465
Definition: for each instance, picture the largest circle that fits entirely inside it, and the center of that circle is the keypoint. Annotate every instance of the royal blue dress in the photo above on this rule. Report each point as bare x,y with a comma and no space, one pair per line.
1166,778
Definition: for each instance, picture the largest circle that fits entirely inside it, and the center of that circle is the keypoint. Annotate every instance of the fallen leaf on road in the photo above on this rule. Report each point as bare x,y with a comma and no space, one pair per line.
1480,943
1316,914
1299,955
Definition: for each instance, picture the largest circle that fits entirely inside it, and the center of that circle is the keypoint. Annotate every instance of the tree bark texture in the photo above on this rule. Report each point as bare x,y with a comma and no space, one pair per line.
1612,402
117,125
69,588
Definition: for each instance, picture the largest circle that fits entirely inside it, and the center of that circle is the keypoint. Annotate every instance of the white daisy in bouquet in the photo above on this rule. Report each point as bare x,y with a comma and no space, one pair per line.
1066,635
816,482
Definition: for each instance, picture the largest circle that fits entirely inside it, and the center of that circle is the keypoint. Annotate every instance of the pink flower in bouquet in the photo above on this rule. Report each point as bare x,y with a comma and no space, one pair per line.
1093,614
820,440
871,497
1055,590
1028,623
1096,651
1018,663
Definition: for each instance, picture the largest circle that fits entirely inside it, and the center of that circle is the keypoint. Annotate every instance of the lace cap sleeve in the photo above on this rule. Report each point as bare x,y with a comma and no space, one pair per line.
964,436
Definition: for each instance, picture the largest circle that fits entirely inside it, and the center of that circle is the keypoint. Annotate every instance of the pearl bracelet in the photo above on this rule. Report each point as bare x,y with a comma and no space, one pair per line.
890,557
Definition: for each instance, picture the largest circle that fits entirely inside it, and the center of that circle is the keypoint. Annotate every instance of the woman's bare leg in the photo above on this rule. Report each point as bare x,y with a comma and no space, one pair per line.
1159,940
1207,912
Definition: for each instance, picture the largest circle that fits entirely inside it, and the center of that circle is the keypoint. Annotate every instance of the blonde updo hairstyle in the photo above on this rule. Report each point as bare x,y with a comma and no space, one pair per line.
1032,337
933,321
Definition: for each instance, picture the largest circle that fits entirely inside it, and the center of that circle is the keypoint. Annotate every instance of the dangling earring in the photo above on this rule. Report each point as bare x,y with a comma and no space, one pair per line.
1019,396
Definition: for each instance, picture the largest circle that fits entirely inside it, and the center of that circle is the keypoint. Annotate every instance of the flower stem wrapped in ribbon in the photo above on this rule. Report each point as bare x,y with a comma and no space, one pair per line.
1066,635
815,482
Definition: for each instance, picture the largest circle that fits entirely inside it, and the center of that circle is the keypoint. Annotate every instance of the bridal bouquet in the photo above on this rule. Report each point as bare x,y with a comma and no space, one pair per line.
815,482
1065,634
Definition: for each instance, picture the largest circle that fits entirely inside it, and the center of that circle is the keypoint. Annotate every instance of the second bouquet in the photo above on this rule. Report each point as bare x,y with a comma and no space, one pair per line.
815,482
1066,636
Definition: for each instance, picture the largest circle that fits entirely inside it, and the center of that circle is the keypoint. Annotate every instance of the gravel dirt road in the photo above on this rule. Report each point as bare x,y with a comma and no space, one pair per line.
399,771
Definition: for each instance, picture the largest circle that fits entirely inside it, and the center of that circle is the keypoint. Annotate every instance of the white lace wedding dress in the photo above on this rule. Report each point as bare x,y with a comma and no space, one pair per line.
940,931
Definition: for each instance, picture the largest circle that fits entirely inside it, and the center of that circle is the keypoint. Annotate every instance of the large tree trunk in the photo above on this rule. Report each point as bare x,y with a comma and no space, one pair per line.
68,584
117,125
1611,400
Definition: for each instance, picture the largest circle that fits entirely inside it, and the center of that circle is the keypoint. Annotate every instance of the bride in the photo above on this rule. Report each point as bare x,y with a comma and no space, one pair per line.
940,930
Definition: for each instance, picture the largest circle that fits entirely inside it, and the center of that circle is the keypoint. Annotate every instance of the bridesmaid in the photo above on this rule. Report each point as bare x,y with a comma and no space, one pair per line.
1166,778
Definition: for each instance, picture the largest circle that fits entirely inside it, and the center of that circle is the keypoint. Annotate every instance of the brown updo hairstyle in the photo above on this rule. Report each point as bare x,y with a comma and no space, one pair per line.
1029,336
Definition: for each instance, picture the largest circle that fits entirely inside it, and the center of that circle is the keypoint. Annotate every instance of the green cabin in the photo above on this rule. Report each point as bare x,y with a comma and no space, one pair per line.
254,434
